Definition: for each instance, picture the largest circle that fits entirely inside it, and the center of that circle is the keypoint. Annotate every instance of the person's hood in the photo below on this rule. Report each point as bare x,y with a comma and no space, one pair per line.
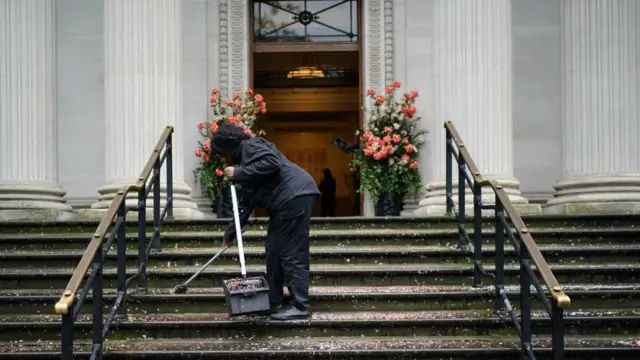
227,141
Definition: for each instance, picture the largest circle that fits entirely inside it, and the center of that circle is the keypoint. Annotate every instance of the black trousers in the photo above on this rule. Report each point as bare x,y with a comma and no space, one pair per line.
287,249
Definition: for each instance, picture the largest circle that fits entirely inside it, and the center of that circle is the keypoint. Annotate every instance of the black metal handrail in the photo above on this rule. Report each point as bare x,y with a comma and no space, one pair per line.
90,267
524,245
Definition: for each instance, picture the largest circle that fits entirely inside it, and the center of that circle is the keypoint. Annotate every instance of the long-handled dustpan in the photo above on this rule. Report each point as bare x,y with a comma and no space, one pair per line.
244,295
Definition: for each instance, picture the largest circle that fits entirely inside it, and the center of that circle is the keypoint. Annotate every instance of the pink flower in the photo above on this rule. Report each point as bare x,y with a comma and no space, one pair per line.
397,84
370,92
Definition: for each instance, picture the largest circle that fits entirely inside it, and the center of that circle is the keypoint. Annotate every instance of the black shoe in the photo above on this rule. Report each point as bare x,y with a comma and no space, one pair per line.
291,313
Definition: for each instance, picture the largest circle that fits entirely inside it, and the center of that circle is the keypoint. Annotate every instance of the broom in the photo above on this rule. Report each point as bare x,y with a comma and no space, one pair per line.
182,288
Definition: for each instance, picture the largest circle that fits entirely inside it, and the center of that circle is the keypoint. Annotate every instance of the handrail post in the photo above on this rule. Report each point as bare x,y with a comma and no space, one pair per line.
462,181
169,150
557,331
156,206
67,334
477,233
449,169
142,239
97,305
499,230
525,300
122,259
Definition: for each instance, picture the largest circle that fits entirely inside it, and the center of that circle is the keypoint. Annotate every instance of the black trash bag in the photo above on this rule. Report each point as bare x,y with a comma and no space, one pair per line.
389,205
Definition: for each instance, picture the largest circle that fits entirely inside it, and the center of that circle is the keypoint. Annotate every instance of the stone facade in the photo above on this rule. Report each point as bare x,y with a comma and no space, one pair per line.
522,91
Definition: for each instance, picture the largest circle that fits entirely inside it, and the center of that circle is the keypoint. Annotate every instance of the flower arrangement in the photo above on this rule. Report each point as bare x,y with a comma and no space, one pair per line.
388,149
240,110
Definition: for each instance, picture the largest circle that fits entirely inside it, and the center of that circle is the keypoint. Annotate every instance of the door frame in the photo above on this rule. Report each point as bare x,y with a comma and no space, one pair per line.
314,47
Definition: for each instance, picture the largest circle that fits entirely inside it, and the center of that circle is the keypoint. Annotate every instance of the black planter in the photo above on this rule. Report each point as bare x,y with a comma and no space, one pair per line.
223,206
389,205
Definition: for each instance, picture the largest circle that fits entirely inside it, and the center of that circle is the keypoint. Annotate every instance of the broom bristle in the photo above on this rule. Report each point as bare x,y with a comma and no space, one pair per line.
179,289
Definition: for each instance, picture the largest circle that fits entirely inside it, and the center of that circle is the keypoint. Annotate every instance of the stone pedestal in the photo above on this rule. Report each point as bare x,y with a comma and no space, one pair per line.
143,94
472,88
601,110
29,188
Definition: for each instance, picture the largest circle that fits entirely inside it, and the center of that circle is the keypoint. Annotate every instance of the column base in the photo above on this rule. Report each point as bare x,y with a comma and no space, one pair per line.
21,201
410,206
183,206
596,194
434,204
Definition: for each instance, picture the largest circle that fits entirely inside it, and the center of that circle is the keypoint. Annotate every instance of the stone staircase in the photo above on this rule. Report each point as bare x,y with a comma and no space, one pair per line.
382,289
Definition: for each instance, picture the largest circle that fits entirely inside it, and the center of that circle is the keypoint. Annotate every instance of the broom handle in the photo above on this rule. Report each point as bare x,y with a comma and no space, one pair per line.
236,219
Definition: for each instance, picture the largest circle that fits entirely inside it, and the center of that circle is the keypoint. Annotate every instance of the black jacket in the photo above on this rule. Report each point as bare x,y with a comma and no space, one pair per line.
268,179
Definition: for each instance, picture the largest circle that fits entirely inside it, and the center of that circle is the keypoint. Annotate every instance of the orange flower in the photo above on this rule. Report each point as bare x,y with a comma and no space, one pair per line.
212,99
379,98
248,131
213,126
215,91
397,84
367,134
230,118
198,153
236,96
370,92
229,103
389,90
200,126
413,165
239,104
237,118
219,172
414,94
396,138
409,149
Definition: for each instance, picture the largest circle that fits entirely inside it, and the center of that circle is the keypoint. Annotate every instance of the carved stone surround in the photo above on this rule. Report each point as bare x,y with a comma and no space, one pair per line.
234,45
378,43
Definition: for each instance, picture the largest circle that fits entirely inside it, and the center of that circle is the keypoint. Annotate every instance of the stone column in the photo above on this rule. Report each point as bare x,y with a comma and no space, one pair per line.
472,88
29,188
143,94
601,110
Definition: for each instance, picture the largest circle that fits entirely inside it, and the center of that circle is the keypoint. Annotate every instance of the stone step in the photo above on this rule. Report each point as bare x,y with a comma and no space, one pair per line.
321,325
333,299
333,275
365,237
341,223
383,254
379,348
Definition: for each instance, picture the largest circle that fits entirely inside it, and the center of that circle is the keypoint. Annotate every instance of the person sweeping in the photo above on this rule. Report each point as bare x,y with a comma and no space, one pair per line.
288,193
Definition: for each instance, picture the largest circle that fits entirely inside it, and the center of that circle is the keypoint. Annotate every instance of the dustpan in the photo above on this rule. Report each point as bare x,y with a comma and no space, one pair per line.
244,295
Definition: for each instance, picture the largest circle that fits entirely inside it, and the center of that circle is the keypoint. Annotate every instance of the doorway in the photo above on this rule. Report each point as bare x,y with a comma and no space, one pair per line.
306,63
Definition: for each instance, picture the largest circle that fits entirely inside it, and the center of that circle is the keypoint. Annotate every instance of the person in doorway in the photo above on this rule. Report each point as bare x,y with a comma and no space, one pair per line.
270,180
328,194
